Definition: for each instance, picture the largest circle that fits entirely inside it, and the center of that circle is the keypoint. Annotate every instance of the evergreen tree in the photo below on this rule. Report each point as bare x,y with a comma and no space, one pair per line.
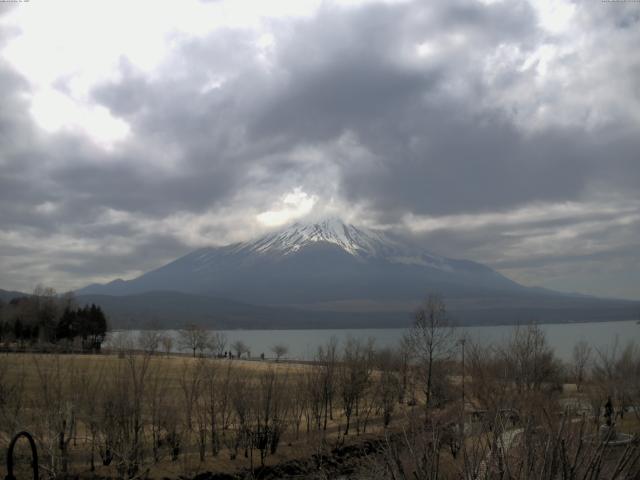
18,329
67,328
97,327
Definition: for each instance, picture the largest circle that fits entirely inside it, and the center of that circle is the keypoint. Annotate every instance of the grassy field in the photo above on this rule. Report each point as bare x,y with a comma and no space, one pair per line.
138,415
49,394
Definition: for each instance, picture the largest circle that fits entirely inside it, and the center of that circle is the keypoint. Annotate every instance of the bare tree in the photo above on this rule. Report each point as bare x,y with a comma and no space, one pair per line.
91,389
68,300
270,412
404,367
431,339
193,337
489,382
122,413
315,396
387,384
354,373
149,341
12,388
616,374
121,342
132,388
279,350
550,449
224,397
213,403
529,359
240,348
299,401
581,356
56,378
167,344
217,344
192,383
157,403
328,359
241,400
45,309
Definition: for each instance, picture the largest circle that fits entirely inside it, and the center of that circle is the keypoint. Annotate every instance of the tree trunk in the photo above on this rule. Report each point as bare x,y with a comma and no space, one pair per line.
427,402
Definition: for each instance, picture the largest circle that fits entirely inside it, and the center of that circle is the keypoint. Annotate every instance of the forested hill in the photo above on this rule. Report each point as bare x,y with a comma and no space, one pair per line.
168,309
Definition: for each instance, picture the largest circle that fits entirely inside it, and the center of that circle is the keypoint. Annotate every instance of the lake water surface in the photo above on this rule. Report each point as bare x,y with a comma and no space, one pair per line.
303,344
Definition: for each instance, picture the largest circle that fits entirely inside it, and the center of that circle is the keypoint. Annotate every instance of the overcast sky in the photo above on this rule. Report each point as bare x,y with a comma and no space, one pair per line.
506,132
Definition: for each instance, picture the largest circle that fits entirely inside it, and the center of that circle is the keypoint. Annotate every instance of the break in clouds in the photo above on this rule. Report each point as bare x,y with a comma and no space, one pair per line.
502,132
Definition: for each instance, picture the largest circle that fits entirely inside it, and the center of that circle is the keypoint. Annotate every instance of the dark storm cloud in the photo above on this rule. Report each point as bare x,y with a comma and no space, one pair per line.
144,254
437,153
139,188
418,110
344,72
358,71
467,167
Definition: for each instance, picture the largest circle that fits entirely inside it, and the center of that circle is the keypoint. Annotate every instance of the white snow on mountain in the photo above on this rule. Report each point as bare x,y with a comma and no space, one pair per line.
356,241
353,240
245,270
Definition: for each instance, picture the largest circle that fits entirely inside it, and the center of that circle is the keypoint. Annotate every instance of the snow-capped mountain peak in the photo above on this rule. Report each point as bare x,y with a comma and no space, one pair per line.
354,240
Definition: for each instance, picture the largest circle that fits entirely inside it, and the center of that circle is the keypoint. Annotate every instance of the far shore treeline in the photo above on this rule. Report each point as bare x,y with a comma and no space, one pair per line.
48,319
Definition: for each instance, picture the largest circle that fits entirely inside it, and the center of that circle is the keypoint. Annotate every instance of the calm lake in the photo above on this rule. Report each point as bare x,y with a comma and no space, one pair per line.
303,344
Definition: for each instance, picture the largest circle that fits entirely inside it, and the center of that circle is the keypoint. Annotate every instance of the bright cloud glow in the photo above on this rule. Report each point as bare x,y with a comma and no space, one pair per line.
293,205
554,15
54,111
425,49
64,48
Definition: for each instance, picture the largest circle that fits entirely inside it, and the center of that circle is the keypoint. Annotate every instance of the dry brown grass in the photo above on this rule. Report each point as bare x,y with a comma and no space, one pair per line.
28,371
80,371
27,368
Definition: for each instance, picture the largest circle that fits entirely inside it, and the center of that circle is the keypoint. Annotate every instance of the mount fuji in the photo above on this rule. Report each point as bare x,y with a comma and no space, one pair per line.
335,269
308,263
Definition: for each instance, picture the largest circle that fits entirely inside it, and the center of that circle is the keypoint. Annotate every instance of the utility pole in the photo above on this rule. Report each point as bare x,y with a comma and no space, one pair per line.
462,342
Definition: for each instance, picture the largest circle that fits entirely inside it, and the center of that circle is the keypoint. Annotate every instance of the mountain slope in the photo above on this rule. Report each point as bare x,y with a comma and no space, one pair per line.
173,309
8,295
333,274
319,262
162,309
